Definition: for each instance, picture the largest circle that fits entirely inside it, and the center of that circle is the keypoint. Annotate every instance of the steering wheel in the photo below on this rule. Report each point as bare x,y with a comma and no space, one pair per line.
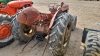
53,5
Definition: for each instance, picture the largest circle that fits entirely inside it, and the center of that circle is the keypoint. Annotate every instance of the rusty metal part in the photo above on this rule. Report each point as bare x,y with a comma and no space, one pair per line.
28,30
52,10
5,31
47,42
67,33
65,7
62,7
26,45
53,7
46,17
29,42
62,3
35,44
52,20
40,36
42,25
29,16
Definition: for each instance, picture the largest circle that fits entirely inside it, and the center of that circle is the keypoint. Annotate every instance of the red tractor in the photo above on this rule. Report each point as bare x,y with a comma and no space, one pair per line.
57,25
7,14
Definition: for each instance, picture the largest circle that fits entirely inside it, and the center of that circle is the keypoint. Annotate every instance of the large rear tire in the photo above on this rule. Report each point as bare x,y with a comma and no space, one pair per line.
60,34
92,47
8,40
21,32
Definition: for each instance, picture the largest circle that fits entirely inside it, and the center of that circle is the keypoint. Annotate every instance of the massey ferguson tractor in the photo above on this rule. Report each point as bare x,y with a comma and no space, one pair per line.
57,25
7,14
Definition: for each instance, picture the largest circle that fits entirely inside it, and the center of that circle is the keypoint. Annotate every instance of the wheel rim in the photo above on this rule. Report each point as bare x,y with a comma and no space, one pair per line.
28,30
5,29
67,33
75,23
66,38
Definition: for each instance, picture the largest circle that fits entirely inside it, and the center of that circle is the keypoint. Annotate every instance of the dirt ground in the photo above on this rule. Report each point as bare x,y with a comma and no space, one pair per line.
88,14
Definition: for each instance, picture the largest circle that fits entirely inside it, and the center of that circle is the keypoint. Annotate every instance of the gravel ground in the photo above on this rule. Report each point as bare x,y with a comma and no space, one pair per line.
88,13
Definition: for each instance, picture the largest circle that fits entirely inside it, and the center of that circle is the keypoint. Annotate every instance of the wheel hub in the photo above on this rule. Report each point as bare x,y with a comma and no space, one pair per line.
5,31
28,31
67,34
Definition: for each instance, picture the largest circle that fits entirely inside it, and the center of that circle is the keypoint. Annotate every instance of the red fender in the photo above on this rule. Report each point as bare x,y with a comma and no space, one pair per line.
29,16
52,20
64,7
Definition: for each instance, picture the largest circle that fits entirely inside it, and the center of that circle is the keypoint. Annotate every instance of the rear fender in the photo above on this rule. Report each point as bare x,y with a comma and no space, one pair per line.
29,16
52,20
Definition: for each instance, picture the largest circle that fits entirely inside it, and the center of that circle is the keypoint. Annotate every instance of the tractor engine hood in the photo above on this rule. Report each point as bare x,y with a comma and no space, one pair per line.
28,16
19,4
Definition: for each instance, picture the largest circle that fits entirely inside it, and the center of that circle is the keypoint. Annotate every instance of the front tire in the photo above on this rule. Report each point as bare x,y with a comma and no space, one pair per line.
60,34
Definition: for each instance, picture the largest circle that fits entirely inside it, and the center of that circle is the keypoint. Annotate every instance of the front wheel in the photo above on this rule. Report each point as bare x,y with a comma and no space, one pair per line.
60,34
